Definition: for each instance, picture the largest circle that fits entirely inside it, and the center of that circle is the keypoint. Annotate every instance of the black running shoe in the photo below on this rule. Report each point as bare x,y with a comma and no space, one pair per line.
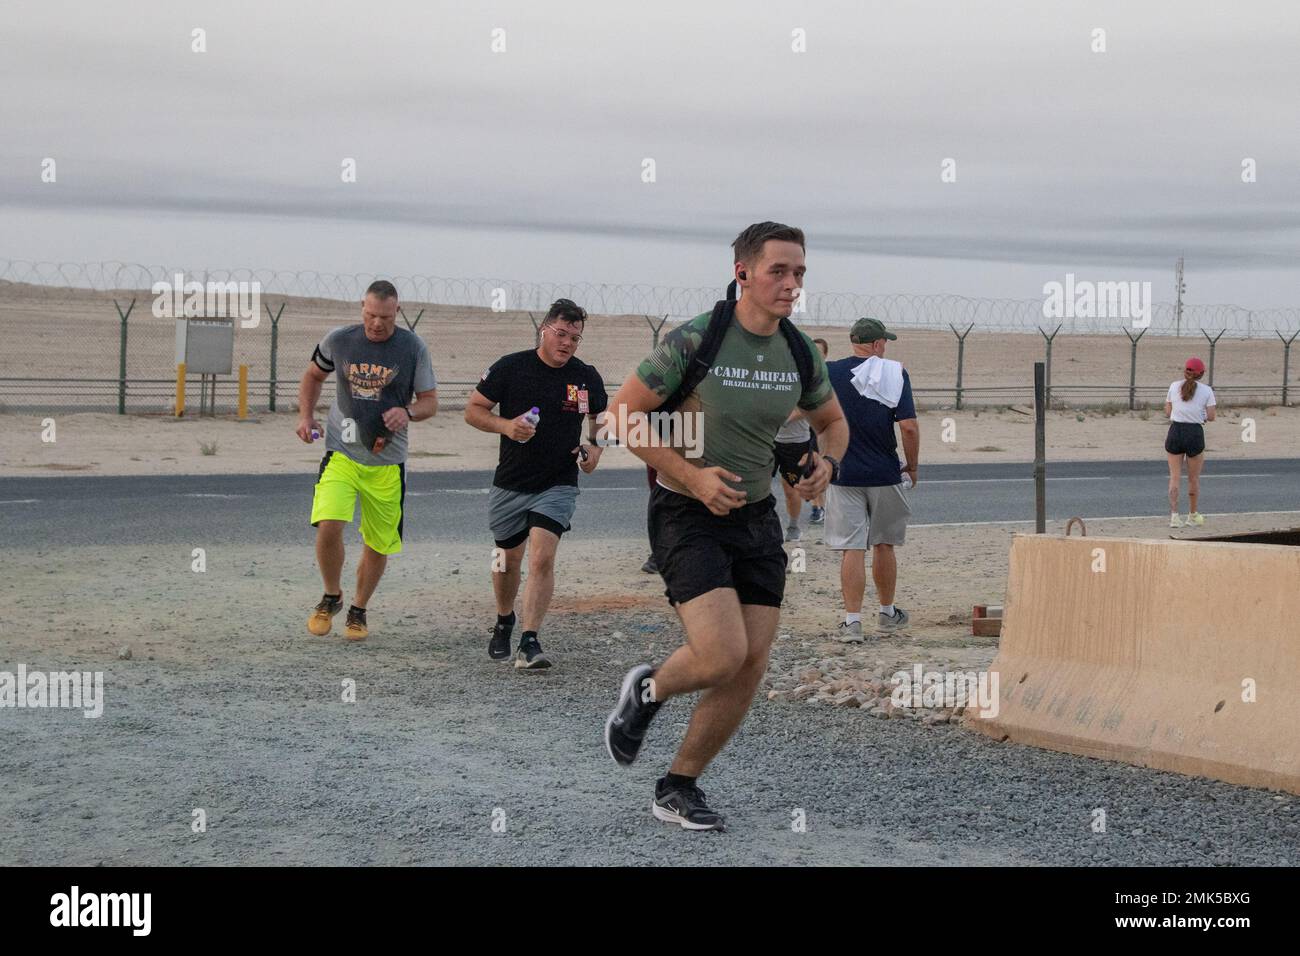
499,645
626,725
530,656
650,567
686,807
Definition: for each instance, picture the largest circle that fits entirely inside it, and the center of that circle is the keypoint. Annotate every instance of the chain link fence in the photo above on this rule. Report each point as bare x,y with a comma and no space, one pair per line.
98,345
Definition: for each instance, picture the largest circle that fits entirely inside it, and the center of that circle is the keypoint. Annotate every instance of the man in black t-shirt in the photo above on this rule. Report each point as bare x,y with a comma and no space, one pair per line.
535,488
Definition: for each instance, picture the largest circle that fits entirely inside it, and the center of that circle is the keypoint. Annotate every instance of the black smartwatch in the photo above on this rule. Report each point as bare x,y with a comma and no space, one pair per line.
835,466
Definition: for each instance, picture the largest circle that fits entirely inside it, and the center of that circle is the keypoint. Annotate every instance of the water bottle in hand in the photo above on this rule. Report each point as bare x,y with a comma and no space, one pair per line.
532,417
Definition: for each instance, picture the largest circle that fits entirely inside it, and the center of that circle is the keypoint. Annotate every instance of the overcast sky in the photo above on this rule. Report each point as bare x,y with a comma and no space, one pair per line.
527,164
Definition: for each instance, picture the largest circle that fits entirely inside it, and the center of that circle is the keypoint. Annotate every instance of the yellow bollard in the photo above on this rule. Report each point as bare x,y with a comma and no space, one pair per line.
243,392
180,389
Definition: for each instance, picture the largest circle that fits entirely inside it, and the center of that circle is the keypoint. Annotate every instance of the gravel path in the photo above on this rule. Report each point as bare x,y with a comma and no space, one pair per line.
226,705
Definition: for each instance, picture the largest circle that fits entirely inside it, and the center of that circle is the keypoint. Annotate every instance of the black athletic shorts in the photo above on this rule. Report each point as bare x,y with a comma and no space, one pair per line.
697,551
1185,438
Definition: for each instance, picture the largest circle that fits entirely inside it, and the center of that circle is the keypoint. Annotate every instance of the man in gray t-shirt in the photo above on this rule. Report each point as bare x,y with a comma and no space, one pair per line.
371,377
378,369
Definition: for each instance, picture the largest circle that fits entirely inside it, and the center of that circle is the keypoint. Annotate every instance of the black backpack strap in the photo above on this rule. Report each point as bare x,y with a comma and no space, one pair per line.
790,468
702,361
803,359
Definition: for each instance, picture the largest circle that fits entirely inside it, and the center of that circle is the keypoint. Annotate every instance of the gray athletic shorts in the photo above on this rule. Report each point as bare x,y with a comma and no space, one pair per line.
860,518
512,514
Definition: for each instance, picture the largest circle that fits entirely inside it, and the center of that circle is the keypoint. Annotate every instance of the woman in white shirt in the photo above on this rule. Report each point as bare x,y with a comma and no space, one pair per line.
1188,405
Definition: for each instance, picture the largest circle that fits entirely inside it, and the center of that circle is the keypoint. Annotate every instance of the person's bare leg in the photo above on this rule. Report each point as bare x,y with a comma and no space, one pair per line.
853,579
715,648
1194,466
793,503
542,545
884,572
329,554
722,709
1175,476
505,583
369,570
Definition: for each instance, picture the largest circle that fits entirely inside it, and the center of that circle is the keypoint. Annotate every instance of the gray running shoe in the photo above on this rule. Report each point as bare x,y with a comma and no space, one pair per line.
793,533
848,633
896,622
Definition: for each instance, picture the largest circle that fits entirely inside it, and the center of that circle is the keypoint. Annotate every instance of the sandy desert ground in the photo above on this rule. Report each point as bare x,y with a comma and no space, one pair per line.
106,444
77,334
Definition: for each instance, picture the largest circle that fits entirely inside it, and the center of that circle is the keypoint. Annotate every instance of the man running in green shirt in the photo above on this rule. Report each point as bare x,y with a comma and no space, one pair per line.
714,532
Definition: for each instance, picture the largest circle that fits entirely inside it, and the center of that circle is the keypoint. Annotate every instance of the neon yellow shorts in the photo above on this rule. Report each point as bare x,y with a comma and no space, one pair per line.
382,489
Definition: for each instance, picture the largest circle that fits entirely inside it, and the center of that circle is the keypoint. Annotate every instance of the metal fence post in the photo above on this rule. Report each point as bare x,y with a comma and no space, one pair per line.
1047,379
654,329
121,362
1040,448
961,355
1213,342
409,324
537,331
275,343
1133,367
1286,361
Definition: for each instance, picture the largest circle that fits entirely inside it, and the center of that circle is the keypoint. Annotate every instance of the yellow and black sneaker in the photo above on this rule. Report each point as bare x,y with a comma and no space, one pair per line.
356,629
321,620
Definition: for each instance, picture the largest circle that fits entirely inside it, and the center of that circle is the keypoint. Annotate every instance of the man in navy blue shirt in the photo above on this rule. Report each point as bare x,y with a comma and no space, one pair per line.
866,506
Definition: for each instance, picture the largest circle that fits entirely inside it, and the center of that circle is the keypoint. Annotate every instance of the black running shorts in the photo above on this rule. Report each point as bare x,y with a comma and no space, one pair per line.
1185,438
697,551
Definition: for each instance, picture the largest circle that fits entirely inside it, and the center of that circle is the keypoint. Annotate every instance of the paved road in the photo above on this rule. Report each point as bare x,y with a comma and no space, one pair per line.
451,506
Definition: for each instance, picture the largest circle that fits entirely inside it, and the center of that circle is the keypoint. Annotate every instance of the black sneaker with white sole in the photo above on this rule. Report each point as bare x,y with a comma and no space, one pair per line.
685,806
626,725
530,656
499,645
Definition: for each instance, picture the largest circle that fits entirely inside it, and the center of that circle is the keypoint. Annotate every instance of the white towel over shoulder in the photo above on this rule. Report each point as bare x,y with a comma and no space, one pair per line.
880,379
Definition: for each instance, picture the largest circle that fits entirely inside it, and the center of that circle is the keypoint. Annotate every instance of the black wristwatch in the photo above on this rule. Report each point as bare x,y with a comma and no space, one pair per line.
835,466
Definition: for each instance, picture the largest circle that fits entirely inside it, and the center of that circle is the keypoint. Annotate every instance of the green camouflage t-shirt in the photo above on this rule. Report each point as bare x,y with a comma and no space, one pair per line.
746,397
